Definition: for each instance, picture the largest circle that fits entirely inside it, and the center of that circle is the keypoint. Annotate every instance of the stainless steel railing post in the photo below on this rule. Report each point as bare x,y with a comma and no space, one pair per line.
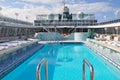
38,73
86,62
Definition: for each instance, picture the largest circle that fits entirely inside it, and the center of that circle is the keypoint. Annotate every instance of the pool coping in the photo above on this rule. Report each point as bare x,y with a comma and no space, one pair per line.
67,41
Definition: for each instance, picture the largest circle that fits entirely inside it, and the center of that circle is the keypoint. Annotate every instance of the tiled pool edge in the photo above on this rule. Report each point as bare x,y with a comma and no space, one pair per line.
19,61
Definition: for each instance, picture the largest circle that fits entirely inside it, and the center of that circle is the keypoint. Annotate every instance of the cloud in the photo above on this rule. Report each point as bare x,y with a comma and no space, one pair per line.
50,2
116,12
2,0
91,7
18,3
43,1
31,10
34,1
28,10
22,13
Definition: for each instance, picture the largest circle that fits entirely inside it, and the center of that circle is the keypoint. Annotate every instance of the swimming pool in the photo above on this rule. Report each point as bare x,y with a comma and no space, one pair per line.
65,63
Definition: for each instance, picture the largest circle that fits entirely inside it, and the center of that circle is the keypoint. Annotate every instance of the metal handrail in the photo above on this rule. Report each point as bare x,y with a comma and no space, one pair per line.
38,75
85,61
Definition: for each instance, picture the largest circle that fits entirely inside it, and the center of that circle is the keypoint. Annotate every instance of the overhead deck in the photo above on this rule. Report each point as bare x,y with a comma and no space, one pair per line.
10,22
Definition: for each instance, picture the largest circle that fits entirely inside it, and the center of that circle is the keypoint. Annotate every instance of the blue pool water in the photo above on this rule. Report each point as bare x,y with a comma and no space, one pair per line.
65,63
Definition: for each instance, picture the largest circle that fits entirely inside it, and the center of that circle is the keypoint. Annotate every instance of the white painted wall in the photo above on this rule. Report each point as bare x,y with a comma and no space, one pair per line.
81,36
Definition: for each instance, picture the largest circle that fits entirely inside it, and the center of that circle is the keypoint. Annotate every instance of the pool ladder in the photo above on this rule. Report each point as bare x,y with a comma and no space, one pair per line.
44,61
38,75
86,62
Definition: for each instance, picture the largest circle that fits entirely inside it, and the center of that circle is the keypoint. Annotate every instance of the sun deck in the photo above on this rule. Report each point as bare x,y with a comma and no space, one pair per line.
13,56
106,44
107,51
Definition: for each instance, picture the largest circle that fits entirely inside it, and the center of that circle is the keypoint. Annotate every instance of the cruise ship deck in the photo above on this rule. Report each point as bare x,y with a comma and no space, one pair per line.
55,46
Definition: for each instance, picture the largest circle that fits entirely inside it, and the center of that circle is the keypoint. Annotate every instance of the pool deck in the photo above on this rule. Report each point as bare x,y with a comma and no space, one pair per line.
10,64
112,54
107,45
11,49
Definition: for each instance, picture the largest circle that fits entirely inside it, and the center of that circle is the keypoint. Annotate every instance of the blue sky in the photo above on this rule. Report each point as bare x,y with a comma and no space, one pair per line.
103,9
